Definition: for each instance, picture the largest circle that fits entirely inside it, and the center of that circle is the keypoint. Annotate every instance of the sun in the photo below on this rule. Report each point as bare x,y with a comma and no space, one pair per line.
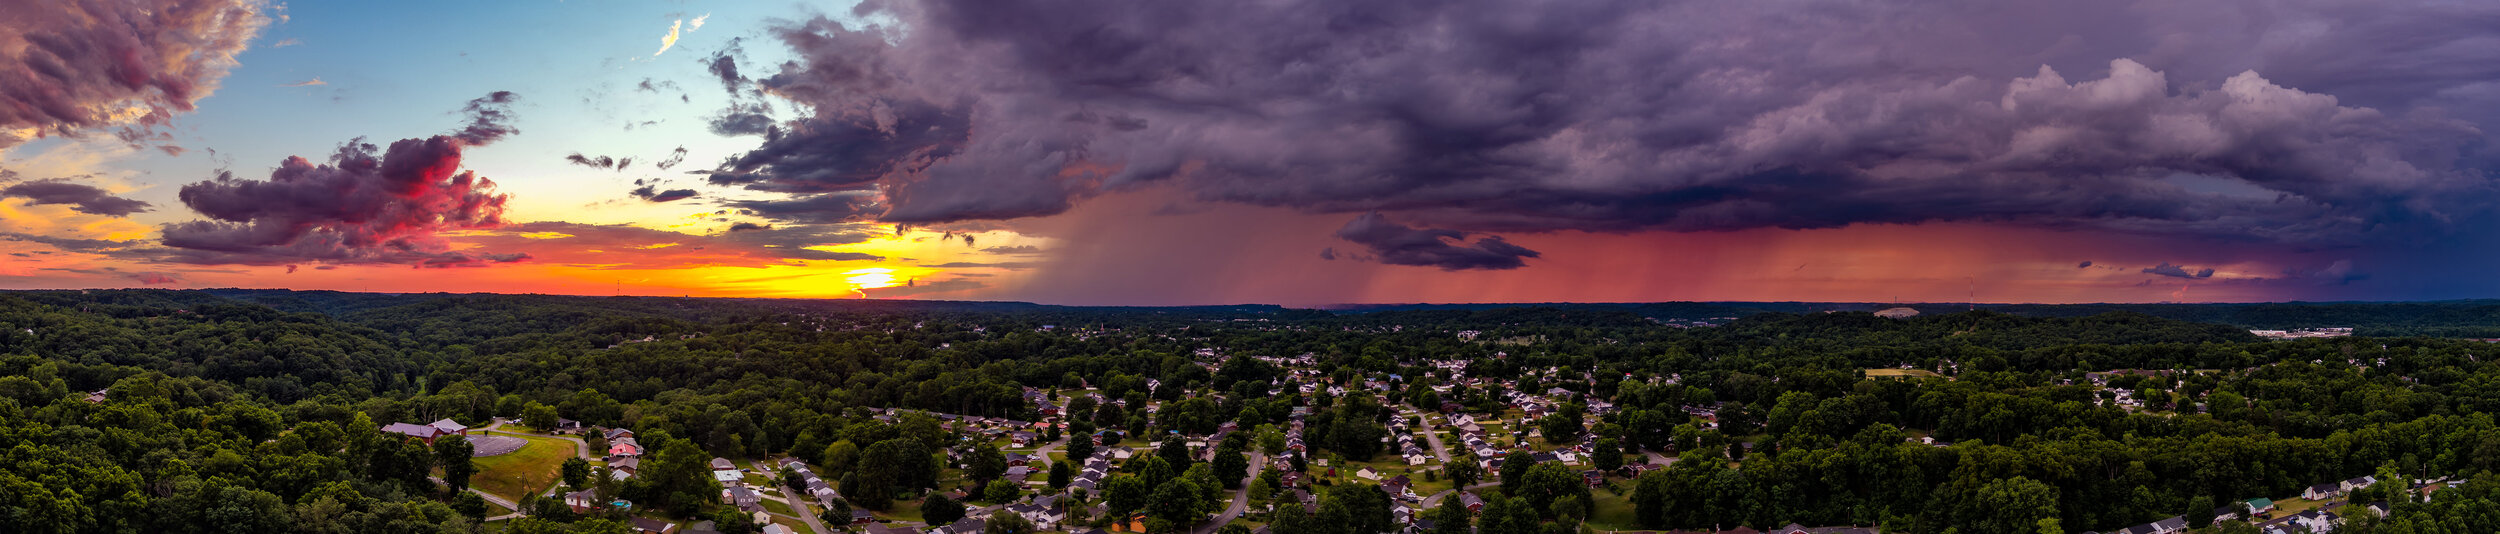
871,278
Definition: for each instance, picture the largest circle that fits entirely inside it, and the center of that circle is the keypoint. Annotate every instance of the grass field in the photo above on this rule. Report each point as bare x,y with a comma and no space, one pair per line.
1613,511
523,472
1917,373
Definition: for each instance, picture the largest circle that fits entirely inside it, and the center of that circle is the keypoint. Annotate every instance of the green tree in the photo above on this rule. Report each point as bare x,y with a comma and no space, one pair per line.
1608,455
576,473
1004,522
1653,498
1231,465
453,453
1464,470
470,505
835,513
1001,491
1124,494
2200,512
539,416
1061,474
1080,442
1451,518
679,478
2011,505
841,457
1174,507
939,510
984,463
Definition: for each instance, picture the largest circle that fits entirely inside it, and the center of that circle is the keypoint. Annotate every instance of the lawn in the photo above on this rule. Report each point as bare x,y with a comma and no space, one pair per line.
1613,511
523,472
1919,373
901,511
776,507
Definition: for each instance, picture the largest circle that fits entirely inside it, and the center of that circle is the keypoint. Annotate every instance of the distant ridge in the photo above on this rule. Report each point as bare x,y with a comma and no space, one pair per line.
2477,318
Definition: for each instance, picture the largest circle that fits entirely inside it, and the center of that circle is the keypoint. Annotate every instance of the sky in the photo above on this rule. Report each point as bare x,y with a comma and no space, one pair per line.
1287,152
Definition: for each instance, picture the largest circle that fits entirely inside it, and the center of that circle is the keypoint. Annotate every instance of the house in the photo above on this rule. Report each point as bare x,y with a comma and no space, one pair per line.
2317,521
448,426
2258,506
425,433
624,468
1043,511
2358,483
1022,438
615,433
816,487
2322,492
98,396
645,524
743,498
1401,487
567,426
2171,525
2228,513
582,501
777,528
726,471
969,525
1367,474
1471,501
860,516
624,446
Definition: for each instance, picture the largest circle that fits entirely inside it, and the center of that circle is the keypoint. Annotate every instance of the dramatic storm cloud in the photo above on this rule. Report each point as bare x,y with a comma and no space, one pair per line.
365,205
72,65
1620,116
81,197
1397,244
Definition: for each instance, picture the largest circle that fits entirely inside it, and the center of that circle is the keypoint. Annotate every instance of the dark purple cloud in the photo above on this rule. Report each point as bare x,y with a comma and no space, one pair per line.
77,65
2178,271
1016,249
597,162
2323,122
155,279
83,198
674,157
653,193
490,119
365,205
1398,244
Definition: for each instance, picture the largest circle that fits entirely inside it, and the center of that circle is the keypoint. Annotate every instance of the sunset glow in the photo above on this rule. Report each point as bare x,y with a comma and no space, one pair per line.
1653,159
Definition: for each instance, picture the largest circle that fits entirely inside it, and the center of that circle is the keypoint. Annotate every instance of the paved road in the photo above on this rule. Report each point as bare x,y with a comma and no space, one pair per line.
1241,498
1433,436
499,501
1659,459
791,496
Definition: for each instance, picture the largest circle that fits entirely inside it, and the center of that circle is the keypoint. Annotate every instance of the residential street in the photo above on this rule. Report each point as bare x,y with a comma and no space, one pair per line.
1241,497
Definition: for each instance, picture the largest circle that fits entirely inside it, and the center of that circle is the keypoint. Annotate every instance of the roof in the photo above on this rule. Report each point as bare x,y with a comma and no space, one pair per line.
645,524
421,431
723,463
